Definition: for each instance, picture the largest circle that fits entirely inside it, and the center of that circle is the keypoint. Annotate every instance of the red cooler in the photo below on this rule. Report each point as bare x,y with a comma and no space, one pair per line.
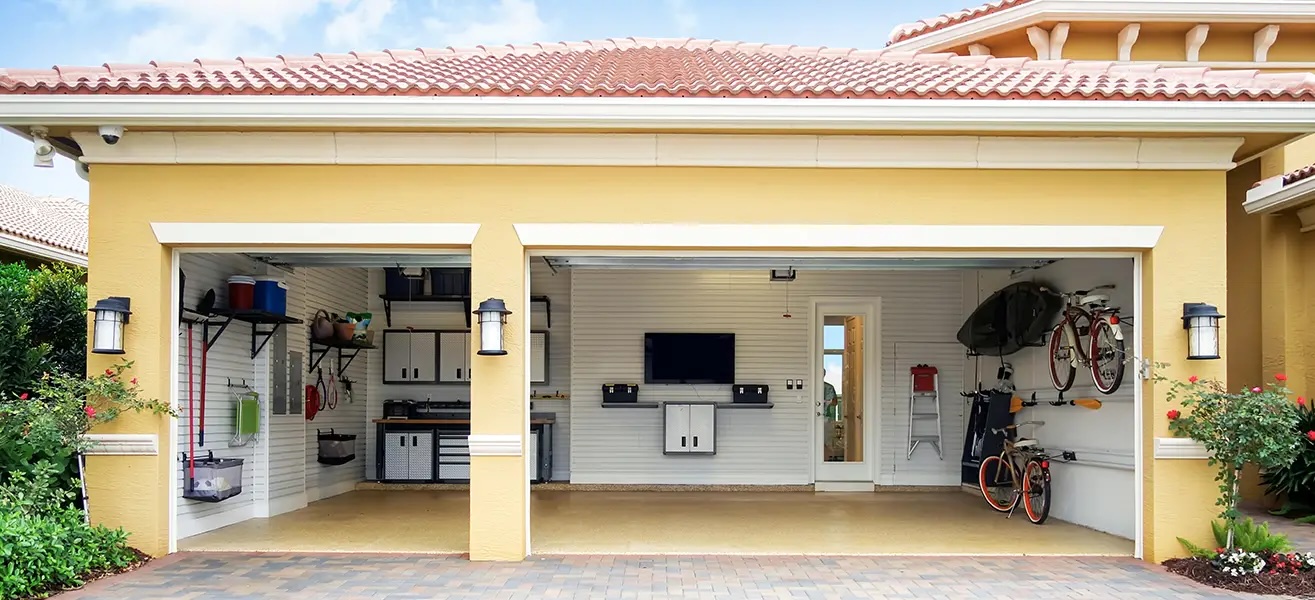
241,292
924,378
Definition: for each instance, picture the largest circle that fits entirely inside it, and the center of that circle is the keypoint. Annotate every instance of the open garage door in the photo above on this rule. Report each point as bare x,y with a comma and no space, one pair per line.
799,376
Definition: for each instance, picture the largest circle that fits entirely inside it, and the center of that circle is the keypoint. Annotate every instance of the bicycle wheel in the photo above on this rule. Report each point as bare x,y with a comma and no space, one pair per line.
1062,356
1107,357
996,478
1036,492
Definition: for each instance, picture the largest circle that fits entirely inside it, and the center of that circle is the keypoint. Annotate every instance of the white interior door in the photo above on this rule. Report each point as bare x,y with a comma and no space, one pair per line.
846,387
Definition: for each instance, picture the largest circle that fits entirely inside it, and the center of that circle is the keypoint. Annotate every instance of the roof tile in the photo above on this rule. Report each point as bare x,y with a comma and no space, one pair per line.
57,222
1301,174
664,67
908,31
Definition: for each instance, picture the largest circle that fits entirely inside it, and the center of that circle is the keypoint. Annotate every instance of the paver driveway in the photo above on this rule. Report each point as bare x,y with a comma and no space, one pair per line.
347,576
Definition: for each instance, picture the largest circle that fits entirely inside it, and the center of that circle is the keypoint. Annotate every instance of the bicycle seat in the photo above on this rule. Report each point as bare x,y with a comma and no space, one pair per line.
1025,443
1094,299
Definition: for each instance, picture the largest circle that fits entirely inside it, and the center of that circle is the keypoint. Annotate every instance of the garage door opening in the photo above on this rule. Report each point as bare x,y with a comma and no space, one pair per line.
846,424
305,407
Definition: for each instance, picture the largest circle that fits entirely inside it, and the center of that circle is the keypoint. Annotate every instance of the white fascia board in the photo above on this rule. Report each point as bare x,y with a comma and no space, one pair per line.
1041,11
40,250
315,234
1284,199
357,112
655,235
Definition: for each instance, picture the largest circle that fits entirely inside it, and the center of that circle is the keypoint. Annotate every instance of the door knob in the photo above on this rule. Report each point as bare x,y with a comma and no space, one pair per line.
818,414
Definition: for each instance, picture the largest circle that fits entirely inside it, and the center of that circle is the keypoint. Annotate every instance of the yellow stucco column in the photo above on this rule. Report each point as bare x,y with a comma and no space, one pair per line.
132,492
1179,494
499,396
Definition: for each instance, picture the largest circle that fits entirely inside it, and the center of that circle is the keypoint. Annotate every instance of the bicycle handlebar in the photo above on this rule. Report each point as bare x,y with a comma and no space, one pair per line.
1017,425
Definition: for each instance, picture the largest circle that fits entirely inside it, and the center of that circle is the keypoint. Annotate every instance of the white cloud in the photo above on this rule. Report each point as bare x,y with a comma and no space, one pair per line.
507,21
687,21
358,26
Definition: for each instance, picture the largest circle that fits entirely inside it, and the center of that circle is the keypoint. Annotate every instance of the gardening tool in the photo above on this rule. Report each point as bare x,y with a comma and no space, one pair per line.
191,412
347,390
82,480
206,305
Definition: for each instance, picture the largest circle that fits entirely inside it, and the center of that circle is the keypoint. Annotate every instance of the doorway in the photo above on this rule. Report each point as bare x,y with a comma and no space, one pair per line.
844,398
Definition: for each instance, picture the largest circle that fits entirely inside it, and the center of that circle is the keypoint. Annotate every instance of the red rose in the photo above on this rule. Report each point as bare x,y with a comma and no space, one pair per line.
1173,415
91,412
133,381
1193,379
1301,401
1255,390
1310,435
22,396
109,372
1281,377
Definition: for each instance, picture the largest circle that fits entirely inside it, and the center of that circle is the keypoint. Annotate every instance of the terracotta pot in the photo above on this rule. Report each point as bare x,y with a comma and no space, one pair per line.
345,331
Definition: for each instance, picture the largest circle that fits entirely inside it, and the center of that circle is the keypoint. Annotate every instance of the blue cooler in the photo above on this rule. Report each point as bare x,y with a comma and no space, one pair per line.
271,295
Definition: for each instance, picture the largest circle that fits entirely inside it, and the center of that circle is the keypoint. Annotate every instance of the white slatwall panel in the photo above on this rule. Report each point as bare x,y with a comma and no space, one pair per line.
613,309
543,282
337,291
229,358
923,467
1100,497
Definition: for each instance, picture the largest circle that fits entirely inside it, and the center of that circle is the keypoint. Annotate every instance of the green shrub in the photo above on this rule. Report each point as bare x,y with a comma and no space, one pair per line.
58,318
1248,536
1295,483
55,550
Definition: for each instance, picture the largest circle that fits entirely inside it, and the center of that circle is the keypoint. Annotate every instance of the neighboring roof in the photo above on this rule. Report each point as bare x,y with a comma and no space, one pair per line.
57,225
917,28
1299,175
635,67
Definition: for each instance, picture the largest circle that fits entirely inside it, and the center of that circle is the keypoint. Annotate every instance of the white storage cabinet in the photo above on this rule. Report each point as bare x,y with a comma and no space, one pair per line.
690,427
410,356
409,456
454,348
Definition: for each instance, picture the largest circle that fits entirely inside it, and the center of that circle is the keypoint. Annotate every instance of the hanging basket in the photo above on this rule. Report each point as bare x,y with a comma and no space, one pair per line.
335,448
213,480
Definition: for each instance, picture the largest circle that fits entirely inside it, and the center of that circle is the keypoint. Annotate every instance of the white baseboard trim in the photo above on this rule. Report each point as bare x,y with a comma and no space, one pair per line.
633,478
321,492
844,486
122,444
287,504
1179,448
189,526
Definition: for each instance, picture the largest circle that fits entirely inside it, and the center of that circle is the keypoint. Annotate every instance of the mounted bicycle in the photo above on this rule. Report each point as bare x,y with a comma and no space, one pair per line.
1105,355
1021,472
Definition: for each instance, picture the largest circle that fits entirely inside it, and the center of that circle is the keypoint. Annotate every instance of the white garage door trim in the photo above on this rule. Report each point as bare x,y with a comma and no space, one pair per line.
335,234
657,235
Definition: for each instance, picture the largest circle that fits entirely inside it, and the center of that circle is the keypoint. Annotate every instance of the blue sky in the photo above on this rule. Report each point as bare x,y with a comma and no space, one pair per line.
41,33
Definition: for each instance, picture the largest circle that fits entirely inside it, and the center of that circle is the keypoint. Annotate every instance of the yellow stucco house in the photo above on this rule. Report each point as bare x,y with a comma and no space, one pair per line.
723,262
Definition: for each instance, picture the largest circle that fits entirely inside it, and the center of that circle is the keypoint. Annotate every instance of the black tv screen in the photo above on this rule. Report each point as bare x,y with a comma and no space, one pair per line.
689,358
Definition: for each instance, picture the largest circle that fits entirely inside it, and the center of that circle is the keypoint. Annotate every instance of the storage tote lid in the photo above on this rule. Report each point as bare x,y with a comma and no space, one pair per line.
247,279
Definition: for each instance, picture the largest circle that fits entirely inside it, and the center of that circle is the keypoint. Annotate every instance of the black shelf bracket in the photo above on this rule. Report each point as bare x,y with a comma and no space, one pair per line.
205,331
343,366
317,356
257,318
257,333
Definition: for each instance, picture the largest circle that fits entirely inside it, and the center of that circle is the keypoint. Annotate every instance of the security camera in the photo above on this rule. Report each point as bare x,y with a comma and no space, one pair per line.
43,152
83,170
111,133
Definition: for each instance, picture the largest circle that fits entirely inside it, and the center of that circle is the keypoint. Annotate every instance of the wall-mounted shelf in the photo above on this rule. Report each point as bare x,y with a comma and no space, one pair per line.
749,405
630,405
255,317
389,299
320,348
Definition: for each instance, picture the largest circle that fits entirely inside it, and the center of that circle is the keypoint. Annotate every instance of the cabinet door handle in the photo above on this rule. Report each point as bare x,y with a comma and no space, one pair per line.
415,441
403,440
417,374
458,374
696,441
403,372
682,441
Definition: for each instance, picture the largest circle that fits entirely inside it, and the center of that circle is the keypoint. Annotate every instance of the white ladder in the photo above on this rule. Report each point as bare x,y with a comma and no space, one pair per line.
919,411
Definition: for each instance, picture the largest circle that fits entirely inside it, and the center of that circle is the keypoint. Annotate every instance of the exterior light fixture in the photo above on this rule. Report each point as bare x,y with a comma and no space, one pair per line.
1202,324
111,315
492,317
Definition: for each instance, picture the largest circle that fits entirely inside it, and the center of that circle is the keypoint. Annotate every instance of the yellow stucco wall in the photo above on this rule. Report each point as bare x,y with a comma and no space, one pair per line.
127,261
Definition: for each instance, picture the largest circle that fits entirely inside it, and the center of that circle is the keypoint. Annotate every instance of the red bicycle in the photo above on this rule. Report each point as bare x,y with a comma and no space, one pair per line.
1104,353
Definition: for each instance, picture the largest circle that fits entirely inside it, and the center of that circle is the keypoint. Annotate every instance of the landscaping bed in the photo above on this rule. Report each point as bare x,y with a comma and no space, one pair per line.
140,560
1301,584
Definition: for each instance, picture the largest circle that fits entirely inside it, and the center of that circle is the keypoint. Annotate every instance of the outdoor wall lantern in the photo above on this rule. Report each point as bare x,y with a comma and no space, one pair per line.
1202,324
111,315
492,317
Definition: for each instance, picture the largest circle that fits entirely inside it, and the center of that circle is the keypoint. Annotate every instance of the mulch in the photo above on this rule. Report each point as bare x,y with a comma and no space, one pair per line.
137,563
1200,570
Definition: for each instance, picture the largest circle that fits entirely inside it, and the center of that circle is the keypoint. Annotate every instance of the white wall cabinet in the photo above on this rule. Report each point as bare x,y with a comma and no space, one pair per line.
453,356
690,427
410,356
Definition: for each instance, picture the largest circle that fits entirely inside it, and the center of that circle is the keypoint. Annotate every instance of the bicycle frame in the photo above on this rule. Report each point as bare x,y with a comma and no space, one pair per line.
1074,317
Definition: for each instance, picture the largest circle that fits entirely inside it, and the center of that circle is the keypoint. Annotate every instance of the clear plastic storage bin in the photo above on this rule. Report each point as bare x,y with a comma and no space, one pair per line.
213,480
336,448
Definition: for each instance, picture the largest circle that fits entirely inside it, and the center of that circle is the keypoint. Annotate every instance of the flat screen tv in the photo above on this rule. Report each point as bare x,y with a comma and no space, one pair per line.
689,358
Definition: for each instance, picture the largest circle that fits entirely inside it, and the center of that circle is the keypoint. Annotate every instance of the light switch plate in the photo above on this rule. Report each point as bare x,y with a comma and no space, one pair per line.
789,384
799,384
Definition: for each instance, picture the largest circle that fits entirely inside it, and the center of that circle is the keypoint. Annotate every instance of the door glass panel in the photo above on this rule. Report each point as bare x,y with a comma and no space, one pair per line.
842,389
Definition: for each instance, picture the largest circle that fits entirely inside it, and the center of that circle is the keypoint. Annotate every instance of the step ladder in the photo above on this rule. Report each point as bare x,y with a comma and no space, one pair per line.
924,407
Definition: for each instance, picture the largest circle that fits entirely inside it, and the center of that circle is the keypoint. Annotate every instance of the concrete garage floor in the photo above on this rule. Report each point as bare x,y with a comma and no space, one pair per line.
758,523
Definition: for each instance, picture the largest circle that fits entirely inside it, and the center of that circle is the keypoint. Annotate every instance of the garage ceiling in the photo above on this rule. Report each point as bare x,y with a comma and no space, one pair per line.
798,263
359,259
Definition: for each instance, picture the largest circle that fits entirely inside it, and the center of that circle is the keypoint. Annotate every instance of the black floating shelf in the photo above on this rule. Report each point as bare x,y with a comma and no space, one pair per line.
630,405
255,317
760,405
320,349
389,299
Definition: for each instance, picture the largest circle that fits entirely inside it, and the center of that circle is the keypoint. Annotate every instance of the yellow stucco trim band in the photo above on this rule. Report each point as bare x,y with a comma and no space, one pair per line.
657,235
336,234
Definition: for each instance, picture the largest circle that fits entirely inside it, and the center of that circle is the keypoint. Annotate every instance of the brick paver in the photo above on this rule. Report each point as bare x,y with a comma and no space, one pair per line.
354,576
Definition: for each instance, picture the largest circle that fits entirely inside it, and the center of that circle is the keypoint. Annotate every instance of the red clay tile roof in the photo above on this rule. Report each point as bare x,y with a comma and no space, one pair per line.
1299,175
679,67
917,28
56,222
